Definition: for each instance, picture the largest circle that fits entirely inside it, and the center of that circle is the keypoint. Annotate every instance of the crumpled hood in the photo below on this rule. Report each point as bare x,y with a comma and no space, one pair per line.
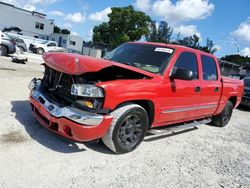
76,64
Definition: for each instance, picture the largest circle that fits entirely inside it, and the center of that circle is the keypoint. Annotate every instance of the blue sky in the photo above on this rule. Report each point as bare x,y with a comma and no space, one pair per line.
227,23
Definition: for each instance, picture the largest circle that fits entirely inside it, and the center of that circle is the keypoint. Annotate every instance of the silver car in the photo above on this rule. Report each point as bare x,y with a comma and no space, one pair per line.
7,45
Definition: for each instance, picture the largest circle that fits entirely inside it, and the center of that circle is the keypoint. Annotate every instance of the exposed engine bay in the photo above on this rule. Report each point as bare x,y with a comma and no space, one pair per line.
58,85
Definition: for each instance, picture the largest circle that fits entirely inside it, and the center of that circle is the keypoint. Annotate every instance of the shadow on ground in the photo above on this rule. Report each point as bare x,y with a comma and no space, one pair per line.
243,108
149,137
49,139
57,143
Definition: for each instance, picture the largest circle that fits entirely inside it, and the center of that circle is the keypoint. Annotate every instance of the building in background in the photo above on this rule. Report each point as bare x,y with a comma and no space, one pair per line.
234,69
33,24
68,41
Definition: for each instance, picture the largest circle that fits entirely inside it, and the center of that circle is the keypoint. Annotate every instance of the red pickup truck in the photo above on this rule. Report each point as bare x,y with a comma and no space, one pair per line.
136,88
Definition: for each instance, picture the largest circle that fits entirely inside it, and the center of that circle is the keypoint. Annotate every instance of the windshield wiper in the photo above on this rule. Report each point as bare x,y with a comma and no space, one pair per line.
130,64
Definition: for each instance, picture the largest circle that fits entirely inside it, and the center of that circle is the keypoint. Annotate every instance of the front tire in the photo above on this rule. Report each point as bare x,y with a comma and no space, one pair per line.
40,51
128,128
223,118
3,50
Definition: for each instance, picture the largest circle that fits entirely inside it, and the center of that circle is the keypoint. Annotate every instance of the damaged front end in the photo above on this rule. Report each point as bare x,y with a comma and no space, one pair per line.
69,101
80,91
66,90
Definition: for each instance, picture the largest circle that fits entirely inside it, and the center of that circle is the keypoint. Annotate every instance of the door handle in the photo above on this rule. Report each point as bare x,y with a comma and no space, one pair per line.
216,89
197,89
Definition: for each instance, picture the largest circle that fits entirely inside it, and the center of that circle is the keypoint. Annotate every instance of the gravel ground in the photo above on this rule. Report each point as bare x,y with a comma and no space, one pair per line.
31,156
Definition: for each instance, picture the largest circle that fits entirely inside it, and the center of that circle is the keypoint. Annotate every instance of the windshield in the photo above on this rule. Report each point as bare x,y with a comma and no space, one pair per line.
247,82
45,42
5,35
147,57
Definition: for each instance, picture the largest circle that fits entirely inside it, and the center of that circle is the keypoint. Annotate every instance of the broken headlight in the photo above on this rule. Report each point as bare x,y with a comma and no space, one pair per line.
86,90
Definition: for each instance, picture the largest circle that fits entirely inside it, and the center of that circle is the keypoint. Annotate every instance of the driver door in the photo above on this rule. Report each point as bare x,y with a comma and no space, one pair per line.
181,97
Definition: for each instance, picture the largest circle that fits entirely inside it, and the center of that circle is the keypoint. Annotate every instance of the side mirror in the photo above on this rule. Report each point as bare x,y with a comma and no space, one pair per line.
182,74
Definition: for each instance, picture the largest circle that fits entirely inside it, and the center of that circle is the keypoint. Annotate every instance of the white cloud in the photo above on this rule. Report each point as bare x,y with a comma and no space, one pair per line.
101,16
44,2
186,30
56,13
76,17
218,47
84,5
29,4
182,10
143,5
74,33
245,52
40,10
67,25
13,2
243,31
29,7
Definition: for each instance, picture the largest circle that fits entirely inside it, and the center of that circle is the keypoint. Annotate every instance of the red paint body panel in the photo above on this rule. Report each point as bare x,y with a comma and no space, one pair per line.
168,96
78,132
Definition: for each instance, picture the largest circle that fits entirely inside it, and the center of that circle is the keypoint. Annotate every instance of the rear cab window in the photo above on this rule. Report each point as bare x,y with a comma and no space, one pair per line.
209,68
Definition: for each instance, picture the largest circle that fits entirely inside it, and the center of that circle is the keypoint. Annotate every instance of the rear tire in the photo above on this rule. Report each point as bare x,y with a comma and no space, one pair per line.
223,118
3,50
128,128
40,51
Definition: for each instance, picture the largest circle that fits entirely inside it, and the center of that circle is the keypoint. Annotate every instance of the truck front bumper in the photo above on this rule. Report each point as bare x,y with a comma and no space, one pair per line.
66,121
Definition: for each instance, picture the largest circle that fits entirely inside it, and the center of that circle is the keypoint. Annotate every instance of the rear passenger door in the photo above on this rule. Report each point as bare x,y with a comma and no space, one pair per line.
211,87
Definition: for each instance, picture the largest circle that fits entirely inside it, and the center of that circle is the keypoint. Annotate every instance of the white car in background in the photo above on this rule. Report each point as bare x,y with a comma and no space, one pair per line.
46,46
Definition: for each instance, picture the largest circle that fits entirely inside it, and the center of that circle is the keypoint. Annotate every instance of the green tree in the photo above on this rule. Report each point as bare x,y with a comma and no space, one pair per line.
125,24
191,41
65,31
101,34
162,33
57,29
236,58
209,47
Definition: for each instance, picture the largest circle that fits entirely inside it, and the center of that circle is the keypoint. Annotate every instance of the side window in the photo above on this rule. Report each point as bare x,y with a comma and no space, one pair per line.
188,61
51,44
209,68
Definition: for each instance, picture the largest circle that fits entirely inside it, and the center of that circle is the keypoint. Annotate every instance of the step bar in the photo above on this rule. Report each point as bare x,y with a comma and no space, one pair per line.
155,132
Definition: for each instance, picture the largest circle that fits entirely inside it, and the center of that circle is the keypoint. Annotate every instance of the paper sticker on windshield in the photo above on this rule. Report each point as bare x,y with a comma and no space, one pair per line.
165,50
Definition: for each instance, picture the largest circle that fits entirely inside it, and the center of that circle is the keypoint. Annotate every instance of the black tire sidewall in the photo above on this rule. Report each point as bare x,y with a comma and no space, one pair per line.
218,120
229,106
6,50
144,118
40,50
21,50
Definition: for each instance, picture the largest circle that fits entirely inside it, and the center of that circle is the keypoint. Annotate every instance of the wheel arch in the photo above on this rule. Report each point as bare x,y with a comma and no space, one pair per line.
233,99
6,47
147,105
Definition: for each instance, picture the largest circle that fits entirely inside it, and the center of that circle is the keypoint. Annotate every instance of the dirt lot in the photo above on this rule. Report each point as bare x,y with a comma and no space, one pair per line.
31,156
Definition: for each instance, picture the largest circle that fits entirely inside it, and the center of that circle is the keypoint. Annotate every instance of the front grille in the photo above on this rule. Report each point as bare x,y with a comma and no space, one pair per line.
58,85
54,80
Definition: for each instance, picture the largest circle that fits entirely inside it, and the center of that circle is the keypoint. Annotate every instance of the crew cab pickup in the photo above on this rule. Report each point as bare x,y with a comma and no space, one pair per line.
136,88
